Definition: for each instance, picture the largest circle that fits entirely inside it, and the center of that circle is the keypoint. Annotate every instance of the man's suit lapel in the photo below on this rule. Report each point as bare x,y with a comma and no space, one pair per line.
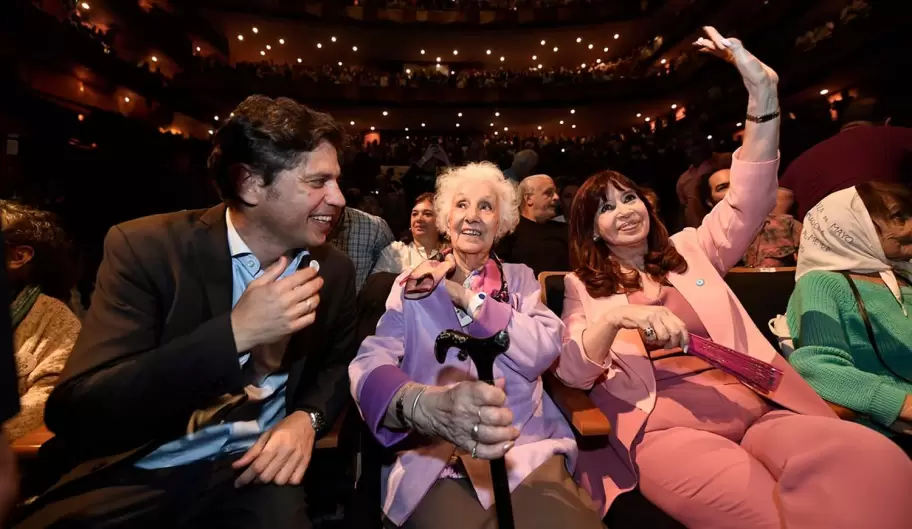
212,259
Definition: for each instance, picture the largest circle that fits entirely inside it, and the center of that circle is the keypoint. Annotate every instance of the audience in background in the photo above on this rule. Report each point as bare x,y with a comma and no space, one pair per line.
538,241
688,186
849,312
524,163
424,240
44,329
568,190
776,245
362,237
866,148
9,405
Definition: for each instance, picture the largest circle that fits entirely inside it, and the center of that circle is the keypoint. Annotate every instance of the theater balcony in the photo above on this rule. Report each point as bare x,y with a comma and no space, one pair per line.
452,13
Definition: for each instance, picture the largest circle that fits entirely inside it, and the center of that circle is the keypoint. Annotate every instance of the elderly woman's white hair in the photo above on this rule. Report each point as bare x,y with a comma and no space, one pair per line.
459,178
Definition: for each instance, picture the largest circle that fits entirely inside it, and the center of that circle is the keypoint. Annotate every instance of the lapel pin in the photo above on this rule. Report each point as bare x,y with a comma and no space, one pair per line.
700,282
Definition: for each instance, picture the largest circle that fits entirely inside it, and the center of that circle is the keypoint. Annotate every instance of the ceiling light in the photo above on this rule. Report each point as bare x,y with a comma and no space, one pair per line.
459,115
563,150
492,124
616,36
496,133
340,63
126,99
583,65
605,49
422,124
406,136
579,39
354,48
709,137
555,48
573,126
406,129
457,124
231,115
506,129
211,132
502,58
573,111
738,124
372,127
299,60
539,66
240,37
455,52
534,57
647,119
408,71
543,43
385,113
85,5
268,47
154,58
539,127
824,92
352,123
488,52
591,46
561,122
215,117
263,53
197,48
598,61
319,45
674,106
422,52
497,114
254,30
281,41
332,39
80,117
438,59
663,61
638,114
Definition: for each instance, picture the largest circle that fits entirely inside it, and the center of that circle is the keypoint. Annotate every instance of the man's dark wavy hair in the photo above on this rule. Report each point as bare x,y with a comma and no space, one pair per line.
268,136
51,266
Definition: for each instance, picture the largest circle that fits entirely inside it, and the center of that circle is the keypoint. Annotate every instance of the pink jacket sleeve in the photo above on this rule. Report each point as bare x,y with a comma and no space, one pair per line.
575,369
733,223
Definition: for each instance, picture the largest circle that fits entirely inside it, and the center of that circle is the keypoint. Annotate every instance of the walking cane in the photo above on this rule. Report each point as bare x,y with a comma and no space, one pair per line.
483,352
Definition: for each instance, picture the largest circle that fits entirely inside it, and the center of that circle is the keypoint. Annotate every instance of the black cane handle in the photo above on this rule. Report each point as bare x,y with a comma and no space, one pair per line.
483,352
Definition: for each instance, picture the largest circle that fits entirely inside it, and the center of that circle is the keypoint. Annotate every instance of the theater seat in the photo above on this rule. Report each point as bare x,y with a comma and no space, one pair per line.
764,294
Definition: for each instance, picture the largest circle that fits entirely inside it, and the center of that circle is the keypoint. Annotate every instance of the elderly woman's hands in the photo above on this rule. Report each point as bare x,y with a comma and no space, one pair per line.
471,415
424,278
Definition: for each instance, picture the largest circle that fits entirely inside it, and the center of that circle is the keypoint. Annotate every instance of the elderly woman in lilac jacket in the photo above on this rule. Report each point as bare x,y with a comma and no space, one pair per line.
443,422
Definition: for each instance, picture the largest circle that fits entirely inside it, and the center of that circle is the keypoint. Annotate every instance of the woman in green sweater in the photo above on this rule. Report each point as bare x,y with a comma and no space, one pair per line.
857,243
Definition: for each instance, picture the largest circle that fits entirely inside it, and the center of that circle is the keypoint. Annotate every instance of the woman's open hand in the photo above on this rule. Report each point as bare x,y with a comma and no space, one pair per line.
425,277
471,415
757,76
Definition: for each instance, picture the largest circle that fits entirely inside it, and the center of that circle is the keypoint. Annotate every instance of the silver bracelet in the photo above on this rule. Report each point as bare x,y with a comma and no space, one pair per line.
415,403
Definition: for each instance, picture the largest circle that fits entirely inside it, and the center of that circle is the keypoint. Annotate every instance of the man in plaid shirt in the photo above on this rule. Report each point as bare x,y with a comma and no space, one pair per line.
362,236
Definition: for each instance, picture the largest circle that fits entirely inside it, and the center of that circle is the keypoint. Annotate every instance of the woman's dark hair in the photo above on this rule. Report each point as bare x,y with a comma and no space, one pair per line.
423,197
885,202
268,136
51,266
591,259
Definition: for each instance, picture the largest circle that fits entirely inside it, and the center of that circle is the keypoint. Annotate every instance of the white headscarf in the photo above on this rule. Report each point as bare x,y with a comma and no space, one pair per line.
839,234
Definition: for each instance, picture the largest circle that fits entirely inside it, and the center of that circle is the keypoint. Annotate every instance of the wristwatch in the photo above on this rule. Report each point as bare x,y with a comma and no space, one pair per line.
317,419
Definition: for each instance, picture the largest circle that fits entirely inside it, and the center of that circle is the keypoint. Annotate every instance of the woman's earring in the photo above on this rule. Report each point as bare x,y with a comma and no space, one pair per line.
595,237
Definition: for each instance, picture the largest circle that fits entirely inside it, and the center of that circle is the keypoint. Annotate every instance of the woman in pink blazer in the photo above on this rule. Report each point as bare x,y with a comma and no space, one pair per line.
703,447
